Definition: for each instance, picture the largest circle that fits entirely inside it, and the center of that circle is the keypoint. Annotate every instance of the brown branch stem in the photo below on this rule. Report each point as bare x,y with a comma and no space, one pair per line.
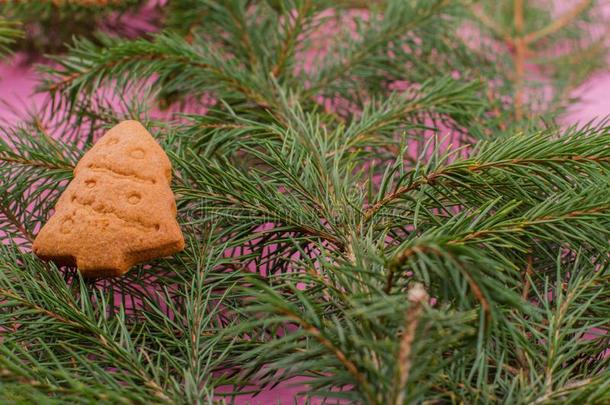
33,163
289,39
337,352
431,177
557,24
519,58
11,295
248,92
521,354
12,218
417,297
489,23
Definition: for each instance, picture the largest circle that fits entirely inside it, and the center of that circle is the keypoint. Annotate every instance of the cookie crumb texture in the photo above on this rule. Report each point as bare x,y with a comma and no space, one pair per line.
118,210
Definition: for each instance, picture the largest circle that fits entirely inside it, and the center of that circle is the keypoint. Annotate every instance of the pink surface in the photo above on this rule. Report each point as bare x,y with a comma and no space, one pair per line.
17,96
594,100
17,83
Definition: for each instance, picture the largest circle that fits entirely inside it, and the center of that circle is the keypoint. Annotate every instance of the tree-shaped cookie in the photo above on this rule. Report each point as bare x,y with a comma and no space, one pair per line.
118,210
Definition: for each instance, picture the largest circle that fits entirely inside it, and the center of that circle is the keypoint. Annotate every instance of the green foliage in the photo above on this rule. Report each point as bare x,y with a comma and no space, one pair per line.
50,24
9,32
565,43
400,246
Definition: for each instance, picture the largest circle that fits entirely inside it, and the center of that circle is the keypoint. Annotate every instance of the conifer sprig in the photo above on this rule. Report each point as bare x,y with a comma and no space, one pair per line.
49,25
9,33
415,241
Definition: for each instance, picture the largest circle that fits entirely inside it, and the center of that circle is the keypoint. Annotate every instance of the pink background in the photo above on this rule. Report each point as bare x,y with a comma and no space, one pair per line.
17,83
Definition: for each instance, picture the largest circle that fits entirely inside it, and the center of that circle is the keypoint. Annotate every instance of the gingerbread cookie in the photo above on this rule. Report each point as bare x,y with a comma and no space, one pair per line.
118,210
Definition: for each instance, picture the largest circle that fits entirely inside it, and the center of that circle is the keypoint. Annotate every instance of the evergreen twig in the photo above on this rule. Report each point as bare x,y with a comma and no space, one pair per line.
393,221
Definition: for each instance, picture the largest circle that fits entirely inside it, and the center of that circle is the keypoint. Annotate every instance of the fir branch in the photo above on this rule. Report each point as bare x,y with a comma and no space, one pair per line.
349,365
168,58
559,23
397,21
321,208
417,296
294,26
50,25
491,24
9,33
536,153
33,147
